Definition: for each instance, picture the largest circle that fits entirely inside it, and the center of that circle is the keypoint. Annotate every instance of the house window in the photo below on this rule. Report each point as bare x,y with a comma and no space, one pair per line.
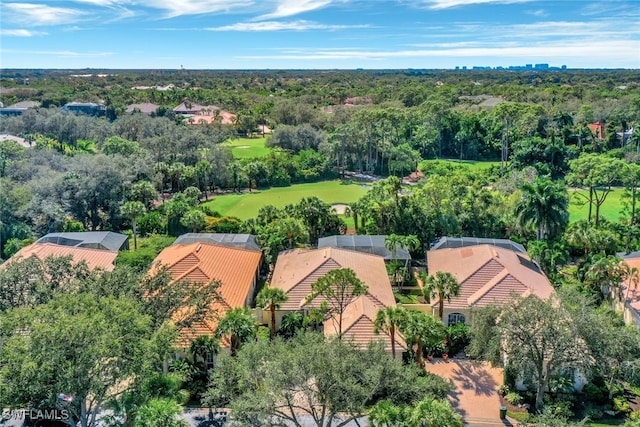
454,318
211,359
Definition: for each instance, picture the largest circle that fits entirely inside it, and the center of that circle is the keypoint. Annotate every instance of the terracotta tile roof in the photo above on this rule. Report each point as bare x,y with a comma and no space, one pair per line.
488,274
146,107
358,325
223,117
631,291
235,268
597,129
95,258
298,269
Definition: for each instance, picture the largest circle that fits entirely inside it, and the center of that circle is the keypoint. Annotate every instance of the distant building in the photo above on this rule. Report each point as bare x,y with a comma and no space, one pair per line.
19,140
18,108
146,108
88,108
597,130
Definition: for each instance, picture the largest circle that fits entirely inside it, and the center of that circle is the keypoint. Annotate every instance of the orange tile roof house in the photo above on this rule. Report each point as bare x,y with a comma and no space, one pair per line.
200,262
597,129
204,114
296,270
98,249
630,292
488,274
95,258
145,107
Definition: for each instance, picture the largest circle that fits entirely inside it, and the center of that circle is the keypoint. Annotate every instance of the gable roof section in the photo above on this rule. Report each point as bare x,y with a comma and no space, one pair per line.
145,107
296,270
372,244
95,258
235,268
488,274
105,240
358,325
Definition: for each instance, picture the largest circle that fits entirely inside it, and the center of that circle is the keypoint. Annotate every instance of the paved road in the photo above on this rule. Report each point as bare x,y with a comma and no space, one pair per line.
201,417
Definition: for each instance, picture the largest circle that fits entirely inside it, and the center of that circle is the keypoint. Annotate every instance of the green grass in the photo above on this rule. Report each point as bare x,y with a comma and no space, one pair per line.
606,423
246,205
474,165
248,148
610,210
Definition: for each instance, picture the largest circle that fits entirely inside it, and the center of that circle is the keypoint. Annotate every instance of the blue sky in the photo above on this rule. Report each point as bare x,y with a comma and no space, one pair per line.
318,34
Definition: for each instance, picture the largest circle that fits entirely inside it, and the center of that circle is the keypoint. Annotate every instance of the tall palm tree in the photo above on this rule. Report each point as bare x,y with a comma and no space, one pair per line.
443,285
270,299
132,211
239,325
544,204
387,321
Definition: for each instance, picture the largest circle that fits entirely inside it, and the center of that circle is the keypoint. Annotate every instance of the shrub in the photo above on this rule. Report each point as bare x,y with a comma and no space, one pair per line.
225,224
634,416
458,337
513,398
596,394
504,389
621,404
593,412
561,408
152,223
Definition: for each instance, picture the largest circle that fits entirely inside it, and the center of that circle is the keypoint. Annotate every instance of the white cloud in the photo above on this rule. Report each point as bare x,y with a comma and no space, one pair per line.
21,33
41,14
58,53
196,7
300,25
294,7
539,13
446,4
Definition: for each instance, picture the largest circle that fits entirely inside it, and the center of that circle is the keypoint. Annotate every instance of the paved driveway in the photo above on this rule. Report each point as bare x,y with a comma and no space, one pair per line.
475,395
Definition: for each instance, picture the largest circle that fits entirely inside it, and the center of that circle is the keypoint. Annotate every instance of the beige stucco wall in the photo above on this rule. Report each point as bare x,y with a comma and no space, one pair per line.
426,308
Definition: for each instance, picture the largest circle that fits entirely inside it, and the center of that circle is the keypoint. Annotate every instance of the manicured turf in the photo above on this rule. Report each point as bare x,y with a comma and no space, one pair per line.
611,209
248,148
471,164
246,205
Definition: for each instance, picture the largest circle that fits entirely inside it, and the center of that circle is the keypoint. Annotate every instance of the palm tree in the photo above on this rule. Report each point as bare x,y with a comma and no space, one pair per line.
387,321
420,329
160,413
270,299
633,278
543,204
131,211
239,325
201,347
442,285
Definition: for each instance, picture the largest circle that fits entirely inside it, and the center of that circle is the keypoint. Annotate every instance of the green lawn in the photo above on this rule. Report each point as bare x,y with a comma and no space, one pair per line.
471,164
246,205
248,148
611,208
